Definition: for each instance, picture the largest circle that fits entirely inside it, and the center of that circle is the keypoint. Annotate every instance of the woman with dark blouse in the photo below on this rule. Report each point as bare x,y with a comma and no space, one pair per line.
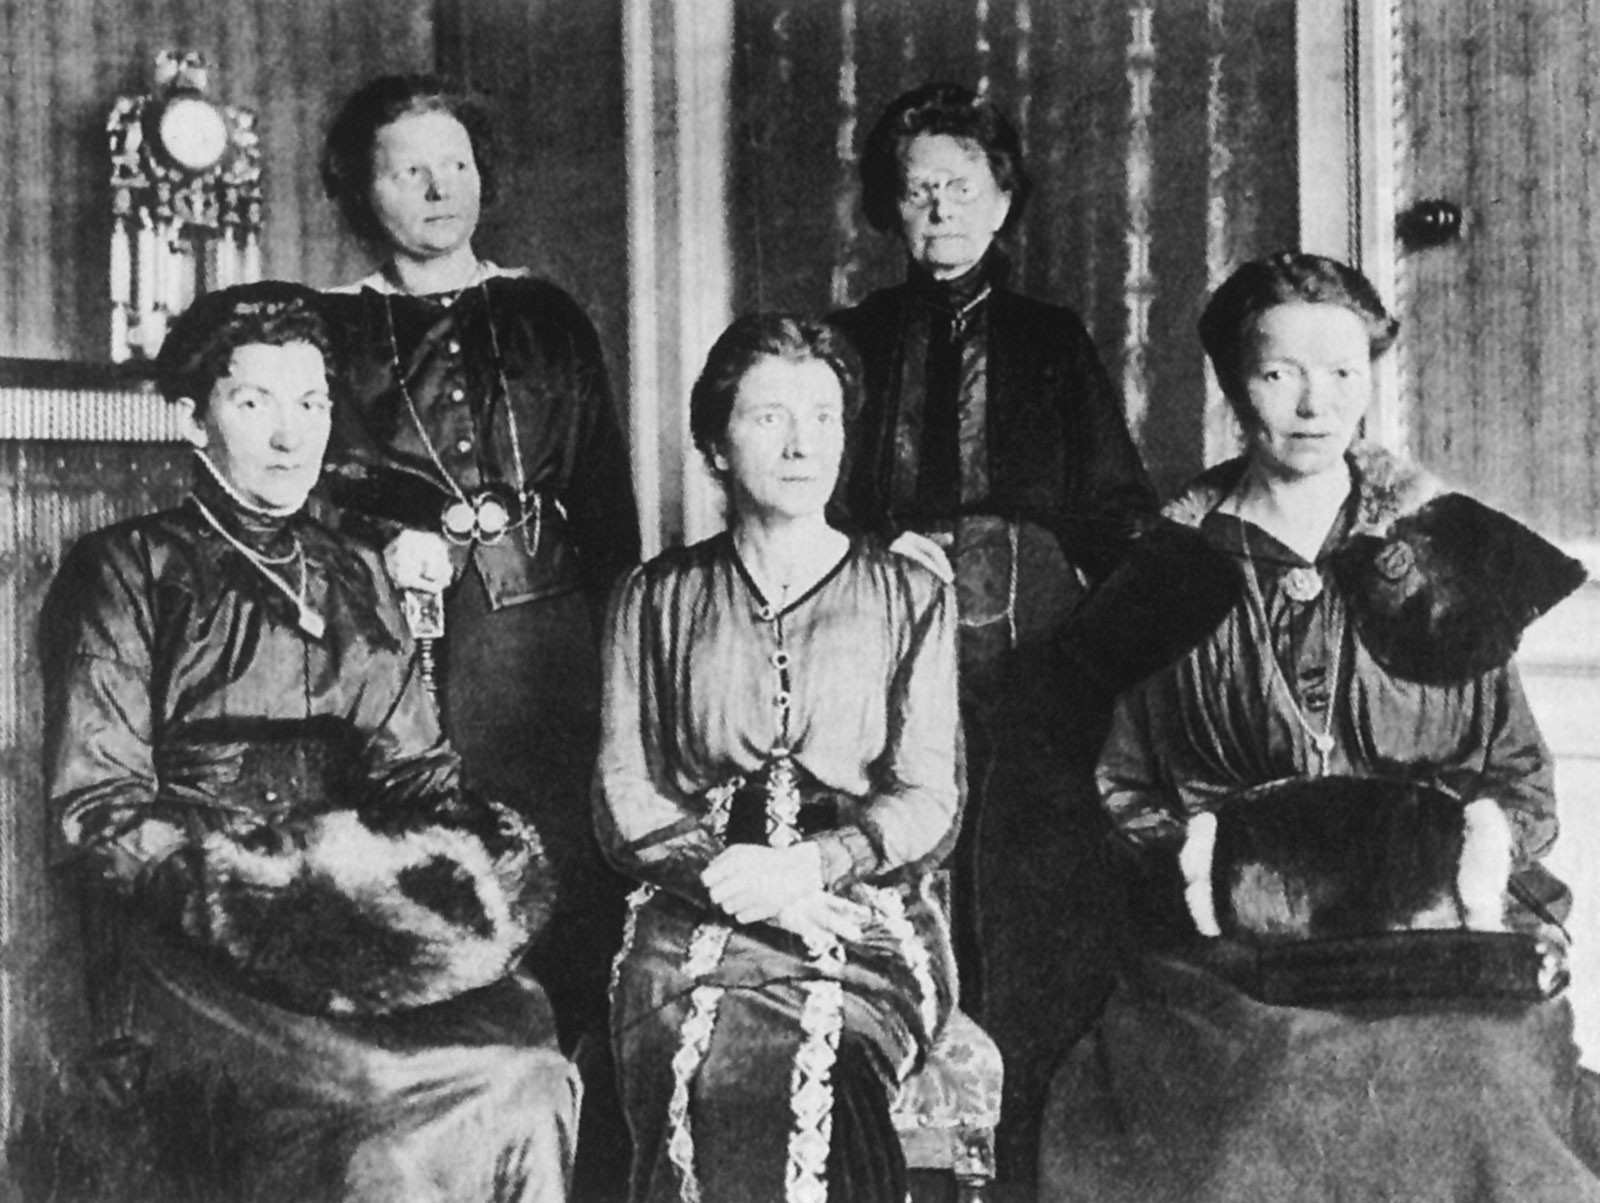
1364,1068
247,771
475,436
990,425
778,771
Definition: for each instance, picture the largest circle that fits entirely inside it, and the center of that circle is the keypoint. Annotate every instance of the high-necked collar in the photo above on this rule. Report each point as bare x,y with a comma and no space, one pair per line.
961,291
262,531
1384,487
383,283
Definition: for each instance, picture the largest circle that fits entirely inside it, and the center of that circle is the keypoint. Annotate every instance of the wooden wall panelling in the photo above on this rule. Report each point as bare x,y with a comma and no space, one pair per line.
1503,327
55,492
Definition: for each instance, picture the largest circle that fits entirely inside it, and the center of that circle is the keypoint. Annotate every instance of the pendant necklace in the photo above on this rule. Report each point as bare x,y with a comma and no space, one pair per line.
485,515
307,619
1321,741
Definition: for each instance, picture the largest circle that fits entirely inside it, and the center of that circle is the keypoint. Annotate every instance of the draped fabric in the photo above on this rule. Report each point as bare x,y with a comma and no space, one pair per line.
1191,1091
737,1045
171,659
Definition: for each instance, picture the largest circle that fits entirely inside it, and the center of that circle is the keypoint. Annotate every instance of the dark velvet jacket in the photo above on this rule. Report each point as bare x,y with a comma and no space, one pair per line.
459,359
169,660
1060,454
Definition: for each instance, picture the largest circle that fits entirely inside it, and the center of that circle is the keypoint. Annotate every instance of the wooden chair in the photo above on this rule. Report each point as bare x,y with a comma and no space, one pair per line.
947,1112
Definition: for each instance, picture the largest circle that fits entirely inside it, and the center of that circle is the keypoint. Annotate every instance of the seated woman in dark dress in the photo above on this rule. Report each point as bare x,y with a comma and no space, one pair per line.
1357,994
778,771
315,922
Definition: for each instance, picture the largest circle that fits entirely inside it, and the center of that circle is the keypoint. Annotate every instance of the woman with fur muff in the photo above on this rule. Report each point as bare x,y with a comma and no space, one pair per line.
1346,979
303,929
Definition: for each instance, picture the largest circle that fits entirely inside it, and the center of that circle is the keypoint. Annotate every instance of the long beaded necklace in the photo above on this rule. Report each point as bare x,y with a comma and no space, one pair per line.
1322,741
484,516
307,619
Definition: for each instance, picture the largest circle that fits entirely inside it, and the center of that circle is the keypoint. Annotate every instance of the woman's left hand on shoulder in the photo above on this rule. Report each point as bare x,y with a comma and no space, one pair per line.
753,883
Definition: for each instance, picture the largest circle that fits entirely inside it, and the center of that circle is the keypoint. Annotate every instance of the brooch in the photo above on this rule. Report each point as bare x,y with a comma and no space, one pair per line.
1302,584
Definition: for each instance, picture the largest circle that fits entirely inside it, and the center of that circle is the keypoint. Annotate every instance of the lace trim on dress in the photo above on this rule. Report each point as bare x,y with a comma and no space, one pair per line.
686,1062
889,907
630,931
706,946
805,1177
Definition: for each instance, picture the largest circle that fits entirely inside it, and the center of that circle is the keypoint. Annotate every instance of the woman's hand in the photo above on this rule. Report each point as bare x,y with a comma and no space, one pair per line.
753,883
820,919
137,851
419,560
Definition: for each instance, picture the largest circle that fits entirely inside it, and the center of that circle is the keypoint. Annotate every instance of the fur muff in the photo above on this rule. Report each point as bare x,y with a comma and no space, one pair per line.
350,921
1330,857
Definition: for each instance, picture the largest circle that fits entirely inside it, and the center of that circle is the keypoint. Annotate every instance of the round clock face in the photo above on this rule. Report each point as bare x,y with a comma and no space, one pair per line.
193,133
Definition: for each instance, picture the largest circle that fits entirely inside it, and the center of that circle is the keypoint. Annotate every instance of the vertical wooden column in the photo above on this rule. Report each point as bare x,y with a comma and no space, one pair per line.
1345,63
677,56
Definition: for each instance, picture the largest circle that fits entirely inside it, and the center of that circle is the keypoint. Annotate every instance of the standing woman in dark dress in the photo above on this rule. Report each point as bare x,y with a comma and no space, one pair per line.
991,425
475,434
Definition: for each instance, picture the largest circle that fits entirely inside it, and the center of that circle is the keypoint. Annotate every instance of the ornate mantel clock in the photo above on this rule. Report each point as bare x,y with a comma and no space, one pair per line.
186,202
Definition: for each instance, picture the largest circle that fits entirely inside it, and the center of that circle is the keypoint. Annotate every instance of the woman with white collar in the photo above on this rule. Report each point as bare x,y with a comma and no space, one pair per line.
475,436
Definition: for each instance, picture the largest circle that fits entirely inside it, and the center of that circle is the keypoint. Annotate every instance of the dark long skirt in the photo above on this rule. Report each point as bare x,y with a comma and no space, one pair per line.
752,1070
1035,911
1189,1090
466,1101
521,692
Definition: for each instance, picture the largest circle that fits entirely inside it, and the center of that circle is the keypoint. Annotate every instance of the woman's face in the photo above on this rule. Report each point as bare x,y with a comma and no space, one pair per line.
426,193
785,439
1308,382
266,423
950,206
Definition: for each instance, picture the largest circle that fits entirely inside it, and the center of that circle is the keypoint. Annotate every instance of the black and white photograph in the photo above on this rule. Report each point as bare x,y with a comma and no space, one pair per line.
799,601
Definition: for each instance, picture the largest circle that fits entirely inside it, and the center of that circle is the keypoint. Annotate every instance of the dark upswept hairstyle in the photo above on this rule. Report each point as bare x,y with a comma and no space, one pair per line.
1284,278
347,150
200,343
939,108
745,343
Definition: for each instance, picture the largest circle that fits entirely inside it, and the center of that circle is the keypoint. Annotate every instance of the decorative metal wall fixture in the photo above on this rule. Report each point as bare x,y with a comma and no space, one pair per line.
186,202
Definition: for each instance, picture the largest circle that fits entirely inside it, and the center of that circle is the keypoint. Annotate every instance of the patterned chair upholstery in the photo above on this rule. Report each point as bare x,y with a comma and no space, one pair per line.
946,1113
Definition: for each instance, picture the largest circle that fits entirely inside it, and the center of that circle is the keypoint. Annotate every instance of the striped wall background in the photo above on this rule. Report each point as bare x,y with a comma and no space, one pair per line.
552,73
66,62
1160,134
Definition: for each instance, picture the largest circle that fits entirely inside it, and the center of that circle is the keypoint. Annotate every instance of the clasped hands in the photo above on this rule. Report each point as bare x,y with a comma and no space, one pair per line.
784,887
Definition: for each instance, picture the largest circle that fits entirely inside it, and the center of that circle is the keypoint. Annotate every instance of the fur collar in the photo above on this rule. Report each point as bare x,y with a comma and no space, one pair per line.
1387,487
1441,587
